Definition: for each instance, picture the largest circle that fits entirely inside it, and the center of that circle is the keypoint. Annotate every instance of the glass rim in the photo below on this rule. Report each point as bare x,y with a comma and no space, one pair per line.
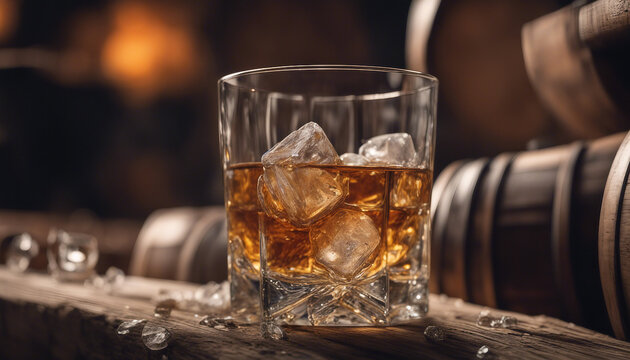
433,81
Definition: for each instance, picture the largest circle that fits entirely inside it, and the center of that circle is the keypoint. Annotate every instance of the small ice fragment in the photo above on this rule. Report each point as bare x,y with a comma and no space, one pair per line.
272,331
209,298
508,321
95,281
484,321
114,278
126,326
354,159
304,193
434,333
458,303
213,296
390,149
219,323
20,252
163,308
484,318
71,256
155,337
344,242
481,353
495,323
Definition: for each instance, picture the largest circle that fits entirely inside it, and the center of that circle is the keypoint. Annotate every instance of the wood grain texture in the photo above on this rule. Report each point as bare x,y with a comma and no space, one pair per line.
43,319
531,240
562,68
610,242
603,22
480,250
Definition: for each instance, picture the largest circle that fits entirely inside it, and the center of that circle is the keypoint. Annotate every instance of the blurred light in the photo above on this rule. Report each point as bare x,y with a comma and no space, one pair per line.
151,50
8,18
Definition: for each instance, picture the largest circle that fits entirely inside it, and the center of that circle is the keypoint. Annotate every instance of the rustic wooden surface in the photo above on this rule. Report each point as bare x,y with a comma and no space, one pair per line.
43,319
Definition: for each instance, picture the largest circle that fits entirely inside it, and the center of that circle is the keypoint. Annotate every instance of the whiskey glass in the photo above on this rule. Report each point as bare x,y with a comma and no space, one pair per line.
330,227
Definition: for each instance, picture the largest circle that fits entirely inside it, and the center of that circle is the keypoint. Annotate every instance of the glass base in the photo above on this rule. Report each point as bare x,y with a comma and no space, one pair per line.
289,301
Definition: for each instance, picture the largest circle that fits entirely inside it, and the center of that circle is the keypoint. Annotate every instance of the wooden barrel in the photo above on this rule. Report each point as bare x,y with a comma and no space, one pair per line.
614,243
519,231
486,102
188,244
577,60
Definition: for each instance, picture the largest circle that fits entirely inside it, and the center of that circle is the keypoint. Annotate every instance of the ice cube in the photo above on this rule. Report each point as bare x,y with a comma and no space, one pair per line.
481,353
354,159
508,321
20,252
219,323
113,279
293,190
71,256
155,337
344,243
126,326
213,296
272,331
434,333
395,149
163,308
268,203
306,145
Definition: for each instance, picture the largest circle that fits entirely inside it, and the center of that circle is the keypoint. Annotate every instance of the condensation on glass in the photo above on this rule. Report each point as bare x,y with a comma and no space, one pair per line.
347,243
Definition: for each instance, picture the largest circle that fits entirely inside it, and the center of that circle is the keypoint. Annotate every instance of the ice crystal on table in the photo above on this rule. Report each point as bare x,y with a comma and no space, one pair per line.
71,256
22,249
155,337
486,319
112,280
481,353
434,333
126,326
209,298
224,324
272,331
508,321
163,308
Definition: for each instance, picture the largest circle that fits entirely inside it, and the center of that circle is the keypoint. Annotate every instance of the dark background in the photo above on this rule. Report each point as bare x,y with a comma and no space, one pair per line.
110,106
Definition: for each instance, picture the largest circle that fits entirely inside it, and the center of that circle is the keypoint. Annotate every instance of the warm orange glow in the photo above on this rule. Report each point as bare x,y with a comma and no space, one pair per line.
8,18
151,50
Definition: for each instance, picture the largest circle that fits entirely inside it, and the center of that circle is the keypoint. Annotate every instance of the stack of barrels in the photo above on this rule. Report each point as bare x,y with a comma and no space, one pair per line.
544,231
520,231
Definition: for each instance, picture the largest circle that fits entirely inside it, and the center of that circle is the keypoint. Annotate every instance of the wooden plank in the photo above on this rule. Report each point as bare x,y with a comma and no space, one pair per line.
40,318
